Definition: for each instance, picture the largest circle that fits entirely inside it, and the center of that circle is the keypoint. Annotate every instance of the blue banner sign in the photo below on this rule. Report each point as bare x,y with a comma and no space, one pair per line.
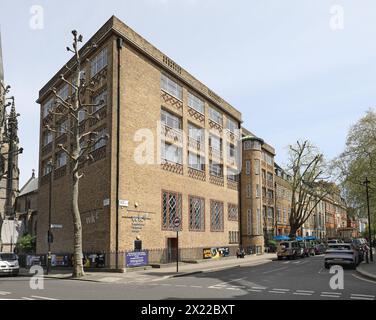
137,259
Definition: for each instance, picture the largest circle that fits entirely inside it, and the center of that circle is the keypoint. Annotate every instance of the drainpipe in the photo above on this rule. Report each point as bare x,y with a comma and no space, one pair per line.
240,190
119,43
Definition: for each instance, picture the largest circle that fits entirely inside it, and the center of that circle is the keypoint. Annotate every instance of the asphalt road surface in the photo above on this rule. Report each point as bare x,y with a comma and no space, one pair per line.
283,280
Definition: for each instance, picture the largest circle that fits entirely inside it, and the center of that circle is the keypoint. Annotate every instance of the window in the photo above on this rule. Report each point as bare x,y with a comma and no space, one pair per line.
61,160
46,167
263,174
171,209
233,237
47,138
258,191
170,120
270,194
231,125
101,139
215,143
216,216
62,128
249,145
196,214
100,100
81,115
267,158
171,87
64,92
279,215
249,222
257,166
196,103
195,161
269,176
216,169
99,62
232,175
284,216
247,167
196,133
171,153
258,221
232,212
231,151
249,190
47,107
270,213
215,116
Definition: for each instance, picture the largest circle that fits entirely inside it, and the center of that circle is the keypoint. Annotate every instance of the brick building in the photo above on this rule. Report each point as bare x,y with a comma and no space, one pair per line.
177,152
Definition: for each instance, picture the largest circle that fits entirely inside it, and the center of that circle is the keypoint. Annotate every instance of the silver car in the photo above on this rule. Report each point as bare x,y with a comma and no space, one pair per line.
341,254
9,264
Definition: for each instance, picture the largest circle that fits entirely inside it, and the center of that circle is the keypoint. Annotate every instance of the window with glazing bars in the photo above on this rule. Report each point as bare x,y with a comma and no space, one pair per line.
171,209
232,212
99,62
171,87
196,214
216,216
196,103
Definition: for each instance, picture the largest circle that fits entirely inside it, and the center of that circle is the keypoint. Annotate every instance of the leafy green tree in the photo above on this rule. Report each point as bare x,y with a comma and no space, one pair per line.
26,244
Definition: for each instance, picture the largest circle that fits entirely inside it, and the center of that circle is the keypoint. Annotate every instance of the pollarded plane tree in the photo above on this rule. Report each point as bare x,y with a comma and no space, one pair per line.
75,111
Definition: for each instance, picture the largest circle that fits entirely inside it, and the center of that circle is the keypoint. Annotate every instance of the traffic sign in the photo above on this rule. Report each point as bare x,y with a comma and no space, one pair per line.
177,222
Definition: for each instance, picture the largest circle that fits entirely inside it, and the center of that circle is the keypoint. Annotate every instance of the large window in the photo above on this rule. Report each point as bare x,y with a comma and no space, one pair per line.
216,169
196,214
267,158
258,221
171,87
64,92
257,166
232,175
62,128
47,107
99,101
216,216
216,116
249,222
171,209
196,133
231,151
249,190
195,161
170,120
232,212
247,167
215,143
61,159
99,62
231,125
258,191
47,138
252,145
46,167
101,139
196,103
171,153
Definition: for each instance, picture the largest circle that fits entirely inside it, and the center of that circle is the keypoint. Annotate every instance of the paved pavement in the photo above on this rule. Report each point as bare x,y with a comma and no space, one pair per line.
283,280
169,271
368,269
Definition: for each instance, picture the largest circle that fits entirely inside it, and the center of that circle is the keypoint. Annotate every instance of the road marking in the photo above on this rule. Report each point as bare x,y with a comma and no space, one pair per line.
4,293
236,289
259,288
360,298
43,298
281,292
332,293
196,286
222,284
302,294
329,296
362,295
270,271
285,290
181,285
297,262
359,278
254,290
286,262
305,291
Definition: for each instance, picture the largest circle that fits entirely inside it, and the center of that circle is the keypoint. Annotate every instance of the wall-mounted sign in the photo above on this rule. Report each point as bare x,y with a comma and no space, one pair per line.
56,226
136,259
123,203
106,202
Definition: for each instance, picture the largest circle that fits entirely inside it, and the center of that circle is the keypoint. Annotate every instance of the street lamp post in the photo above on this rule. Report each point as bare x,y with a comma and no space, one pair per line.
49,234
366,183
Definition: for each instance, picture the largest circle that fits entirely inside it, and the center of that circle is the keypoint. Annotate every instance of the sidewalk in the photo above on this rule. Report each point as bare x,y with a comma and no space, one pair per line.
367,270
165,272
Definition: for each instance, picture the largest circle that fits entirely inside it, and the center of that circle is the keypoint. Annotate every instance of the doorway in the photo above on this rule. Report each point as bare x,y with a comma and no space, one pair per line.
172,249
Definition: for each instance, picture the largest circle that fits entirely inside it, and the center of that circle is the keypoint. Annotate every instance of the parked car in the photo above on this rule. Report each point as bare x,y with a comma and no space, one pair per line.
361,247
320,249
307,248
9,264
341,254
290,250
333,241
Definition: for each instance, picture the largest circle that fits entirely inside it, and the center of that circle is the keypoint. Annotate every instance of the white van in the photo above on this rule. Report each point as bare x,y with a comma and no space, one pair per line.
9,264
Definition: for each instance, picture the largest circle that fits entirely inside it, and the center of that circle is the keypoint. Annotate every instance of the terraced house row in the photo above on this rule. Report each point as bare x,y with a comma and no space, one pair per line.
175,149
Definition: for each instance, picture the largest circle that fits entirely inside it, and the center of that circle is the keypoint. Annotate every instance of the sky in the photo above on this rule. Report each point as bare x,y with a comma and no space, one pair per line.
296,69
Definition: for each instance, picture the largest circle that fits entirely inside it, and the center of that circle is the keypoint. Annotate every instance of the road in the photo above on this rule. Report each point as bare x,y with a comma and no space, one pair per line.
299,280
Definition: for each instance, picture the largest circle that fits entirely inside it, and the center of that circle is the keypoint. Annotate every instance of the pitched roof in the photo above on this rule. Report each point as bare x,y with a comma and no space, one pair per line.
29,187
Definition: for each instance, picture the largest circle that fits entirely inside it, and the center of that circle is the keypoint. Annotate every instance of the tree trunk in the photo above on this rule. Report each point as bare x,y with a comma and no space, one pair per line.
78,268
293,230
